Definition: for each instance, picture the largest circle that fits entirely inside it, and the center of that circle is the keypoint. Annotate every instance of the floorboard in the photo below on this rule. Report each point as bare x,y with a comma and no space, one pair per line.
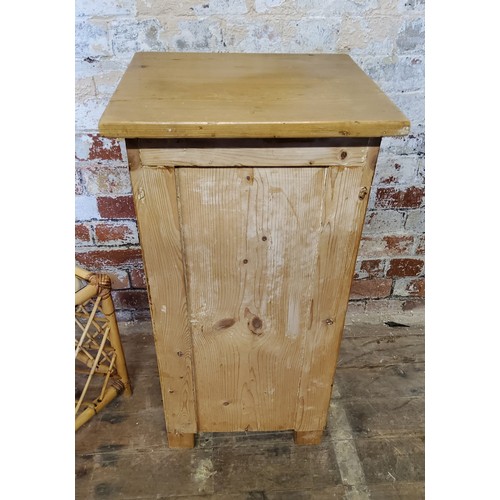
373,446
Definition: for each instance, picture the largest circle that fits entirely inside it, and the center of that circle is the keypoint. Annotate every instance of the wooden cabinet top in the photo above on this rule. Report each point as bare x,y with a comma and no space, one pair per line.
189,95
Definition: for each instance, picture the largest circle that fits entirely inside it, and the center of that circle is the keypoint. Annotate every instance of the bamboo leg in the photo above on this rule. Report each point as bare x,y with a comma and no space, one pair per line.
108,309
307,437
89,412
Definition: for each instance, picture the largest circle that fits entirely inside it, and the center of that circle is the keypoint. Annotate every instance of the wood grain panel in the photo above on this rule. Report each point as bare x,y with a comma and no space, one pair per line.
345,201
156,205
248,95
251,239
254,157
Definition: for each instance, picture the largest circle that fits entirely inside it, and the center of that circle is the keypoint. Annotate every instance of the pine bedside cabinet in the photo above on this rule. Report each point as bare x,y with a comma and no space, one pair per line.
251,175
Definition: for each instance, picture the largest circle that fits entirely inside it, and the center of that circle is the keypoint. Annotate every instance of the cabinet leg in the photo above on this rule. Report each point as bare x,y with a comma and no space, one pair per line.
177,440
307,437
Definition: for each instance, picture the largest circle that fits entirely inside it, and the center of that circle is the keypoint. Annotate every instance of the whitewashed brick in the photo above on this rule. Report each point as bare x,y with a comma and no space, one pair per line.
408,144
267,5
396,169
261,36
315,35
411,5
86,208
84,89
415,221
412,104
108,179
394,73
411,36
368,35
199,35
105,8
384,222
88,113
91,38
220,7
129,36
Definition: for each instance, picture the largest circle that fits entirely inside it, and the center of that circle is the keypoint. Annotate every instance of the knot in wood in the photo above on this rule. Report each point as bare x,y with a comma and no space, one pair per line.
362,193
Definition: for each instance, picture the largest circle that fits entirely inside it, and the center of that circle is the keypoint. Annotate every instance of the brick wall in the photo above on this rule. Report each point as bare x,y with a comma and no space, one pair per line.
385,37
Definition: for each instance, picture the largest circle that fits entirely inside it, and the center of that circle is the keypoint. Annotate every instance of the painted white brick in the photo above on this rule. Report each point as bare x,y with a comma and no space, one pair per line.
329,7
384,222
411,36
105,7
91,38
104,73
129,36
220,7
396,169
198,35
412,104
86,208
408,144
394,73
88,113
82,146
84,88
368,35
109,179
415,221
411,5
267,5
261,36
315,35
403,287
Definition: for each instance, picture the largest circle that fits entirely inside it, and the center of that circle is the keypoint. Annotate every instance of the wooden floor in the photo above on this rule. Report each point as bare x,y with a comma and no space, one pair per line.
373,446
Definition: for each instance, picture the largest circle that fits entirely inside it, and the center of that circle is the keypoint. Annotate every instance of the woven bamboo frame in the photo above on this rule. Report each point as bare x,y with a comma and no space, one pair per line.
99,357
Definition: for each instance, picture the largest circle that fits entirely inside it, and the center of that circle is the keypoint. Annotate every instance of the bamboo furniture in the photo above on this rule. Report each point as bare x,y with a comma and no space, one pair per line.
101,371
251,176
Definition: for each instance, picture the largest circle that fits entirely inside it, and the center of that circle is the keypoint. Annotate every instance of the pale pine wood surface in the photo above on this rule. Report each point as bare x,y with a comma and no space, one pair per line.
157,213
345,196
252,266
248,95
250,238
263,155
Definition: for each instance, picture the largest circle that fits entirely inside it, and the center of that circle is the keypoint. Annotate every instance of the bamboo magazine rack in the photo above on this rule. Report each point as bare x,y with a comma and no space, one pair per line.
101,371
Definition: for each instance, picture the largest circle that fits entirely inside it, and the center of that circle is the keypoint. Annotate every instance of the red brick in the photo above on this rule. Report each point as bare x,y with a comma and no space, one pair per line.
130,299
420,245
118,207
376,288
138,278
142,314
405,267
99,259
372,268
390,197
106,232
376,246
102,148
416,288
119,279
82,233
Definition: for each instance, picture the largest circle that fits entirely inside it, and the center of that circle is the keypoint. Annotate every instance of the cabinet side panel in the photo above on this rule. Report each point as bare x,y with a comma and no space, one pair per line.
346,197
157,213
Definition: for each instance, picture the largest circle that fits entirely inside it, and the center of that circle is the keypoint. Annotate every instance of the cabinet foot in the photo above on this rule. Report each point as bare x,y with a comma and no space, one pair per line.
307,437
177,440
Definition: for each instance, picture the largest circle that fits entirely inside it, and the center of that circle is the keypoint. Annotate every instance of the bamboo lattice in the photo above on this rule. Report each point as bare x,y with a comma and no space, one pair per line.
100,368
